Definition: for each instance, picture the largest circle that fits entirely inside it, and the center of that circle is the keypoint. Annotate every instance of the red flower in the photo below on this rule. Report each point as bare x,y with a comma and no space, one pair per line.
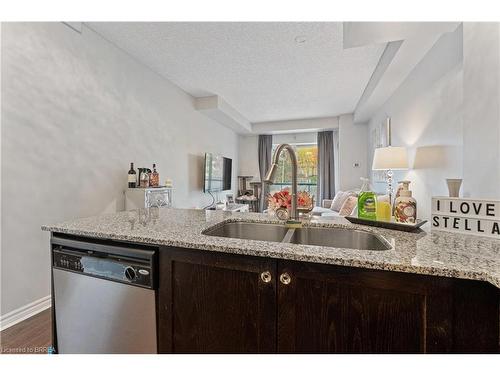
283,198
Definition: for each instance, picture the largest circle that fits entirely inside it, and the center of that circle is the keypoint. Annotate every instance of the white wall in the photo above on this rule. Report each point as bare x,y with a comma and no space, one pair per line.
426,112
248,156
353,144
75,112
481,109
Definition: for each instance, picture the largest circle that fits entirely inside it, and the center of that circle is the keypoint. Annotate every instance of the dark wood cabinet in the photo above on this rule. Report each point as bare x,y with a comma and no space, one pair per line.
215,303
212,302
328,309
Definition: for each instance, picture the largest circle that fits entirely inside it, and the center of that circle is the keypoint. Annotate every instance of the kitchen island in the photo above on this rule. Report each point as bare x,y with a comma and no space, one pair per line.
430,292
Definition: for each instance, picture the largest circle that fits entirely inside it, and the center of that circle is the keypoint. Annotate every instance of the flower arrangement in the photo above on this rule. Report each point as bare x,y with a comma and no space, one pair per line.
280,199
283,199
304,200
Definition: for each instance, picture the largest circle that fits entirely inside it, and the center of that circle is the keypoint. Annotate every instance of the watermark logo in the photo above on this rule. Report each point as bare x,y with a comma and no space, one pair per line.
27,350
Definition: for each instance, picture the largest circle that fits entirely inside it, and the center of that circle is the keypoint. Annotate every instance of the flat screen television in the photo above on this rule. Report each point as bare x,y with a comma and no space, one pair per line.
217,173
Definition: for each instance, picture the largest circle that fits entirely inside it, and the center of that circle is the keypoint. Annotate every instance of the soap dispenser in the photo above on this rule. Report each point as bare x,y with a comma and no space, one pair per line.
367,202
402,185
405,206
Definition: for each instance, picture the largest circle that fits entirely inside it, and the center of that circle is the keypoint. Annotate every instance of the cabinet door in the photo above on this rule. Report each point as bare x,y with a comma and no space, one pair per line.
216,303
348,310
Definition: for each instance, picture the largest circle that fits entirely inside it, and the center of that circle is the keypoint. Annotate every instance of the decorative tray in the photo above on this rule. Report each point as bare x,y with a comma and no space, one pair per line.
406,227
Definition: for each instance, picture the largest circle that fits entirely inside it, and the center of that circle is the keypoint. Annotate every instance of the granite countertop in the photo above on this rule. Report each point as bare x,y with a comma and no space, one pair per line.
426,252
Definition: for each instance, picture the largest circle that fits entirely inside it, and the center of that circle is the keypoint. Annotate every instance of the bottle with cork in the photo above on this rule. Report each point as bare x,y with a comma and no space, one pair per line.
154,177
132,177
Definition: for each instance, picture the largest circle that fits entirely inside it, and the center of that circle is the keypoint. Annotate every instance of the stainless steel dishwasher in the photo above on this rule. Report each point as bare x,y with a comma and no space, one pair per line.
104,297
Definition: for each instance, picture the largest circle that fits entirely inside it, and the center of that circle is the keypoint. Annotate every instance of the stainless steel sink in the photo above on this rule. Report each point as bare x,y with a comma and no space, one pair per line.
340,238
250,231
317,236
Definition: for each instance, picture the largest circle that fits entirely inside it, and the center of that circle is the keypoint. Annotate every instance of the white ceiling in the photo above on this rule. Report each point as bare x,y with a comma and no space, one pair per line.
258,68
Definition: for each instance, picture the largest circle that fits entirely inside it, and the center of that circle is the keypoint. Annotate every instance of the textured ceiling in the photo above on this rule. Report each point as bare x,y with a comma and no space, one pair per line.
258,68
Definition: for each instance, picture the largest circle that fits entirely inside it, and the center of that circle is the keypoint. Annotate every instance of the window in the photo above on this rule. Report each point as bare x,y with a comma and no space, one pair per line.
307,173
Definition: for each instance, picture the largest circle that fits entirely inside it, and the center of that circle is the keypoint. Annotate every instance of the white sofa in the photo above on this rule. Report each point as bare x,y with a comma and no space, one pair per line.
333,207
324,210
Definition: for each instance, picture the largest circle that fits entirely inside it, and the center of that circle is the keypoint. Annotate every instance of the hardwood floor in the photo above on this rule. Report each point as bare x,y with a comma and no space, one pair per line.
32,336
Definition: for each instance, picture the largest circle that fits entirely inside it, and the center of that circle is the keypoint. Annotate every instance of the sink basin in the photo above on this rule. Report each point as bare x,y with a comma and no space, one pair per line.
250,231
339,237
331,237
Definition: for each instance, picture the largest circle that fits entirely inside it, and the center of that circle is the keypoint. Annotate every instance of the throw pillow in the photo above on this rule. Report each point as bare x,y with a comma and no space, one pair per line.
340,199
348,206
337,201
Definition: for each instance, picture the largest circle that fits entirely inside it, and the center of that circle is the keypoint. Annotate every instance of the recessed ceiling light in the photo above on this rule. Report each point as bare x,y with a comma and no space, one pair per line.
300,39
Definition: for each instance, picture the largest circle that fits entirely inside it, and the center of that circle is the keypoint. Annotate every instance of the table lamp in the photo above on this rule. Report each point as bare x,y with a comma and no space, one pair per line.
389,159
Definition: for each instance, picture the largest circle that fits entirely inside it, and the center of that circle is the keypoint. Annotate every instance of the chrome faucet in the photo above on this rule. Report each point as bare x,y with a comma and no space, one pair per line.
271,174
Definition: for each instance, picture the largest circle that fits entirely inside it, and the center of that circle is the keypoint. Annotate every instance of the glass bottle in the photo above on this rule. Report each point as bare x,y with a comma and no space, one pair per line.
405,207
144,178
132,177
154,178
383,209
367,202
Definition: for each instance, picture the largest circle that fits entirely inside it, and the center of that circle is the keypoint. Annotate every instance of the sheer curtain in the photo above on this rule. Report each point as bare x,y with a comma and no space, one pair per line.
326,165
265,154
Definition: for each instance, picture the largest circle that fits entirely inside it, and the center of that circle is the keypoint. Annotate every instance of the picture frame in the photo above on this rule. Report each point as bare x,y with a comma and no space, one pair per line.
230,198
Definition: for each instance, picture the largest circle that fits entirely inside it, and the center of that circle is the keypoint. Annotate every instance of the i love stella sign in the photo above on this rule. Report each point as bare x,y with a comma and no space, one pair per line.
466,215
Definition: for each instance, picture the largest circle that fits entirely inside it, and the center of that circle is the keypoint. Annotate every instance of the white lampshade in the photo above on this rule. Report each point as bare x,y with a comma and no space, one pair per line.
390,158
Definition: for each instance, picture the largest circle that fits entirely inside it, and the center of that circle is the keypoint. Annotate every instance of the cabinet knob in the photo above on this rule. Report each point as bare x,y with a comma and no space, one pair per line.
266,277
285,278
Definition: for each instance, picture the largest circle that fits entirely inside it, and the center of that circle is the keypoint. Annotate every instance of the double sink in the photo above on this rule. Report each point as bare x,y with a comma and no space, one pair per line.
318,236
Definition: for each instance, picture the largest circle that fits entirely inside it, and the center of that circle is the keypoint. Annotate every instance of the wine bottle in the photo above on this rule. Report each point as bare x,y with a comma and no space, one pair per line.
132,177
154,178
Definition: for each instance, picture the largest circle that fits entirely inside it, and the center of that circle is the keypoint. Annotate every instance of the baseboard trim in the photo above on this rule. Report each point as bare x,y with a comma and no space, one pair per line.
24,312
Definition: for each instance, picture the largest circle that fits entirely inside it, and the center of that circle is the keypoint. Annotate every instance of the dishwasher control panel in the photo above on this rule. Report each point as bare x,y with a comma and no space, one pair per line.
123,269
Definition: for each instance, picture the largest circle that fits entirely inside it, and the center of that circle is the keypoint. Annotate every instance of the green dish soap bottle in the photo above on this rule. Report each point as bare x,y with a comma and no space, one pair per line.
367,202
